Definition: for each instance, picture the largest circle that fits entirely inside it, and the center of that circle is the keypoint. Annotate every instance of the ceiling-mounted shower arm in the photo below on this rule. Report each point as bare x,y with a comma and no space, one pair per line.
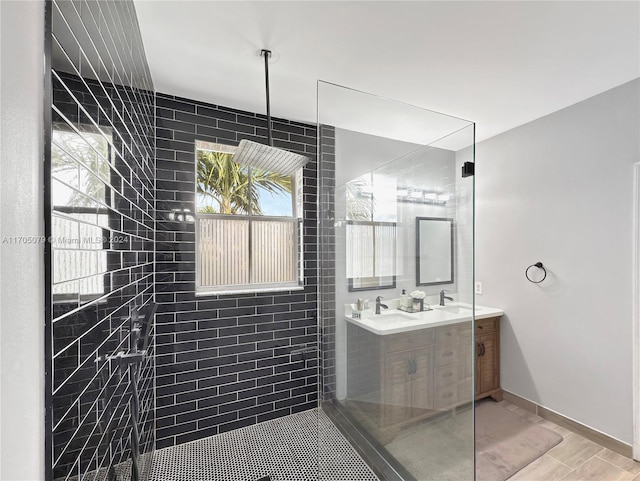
268,157
266,54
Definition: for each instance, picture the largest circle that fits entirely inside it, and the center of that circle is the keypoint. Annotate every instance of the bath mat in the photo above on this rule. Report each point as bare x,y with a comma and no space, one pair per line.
506,442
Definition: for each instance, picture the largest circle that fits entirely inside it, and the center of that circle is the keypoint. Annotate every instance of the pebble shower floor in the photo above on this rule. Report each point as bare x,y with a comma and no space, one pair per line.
301,447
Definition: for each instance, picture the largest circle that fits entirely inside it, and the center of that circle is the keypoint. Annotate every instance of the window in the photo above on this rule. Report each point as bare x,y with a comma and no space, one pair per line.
248,223
80,198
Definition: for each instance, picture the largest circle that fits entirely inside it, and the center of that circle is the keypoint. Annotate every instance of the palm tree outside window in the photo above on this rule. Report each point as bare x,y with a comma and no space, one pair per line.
248,224
81,196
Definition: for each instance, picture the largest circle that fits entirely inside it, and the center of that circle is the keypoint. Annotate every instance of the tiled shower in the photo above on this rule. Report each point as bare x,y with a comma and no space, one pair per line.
122,165
148,377
226,362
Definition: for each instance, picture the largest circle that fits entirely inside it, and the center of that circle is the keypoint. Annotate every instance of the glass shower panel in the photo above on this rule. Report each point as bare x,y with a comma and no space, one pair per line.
396,243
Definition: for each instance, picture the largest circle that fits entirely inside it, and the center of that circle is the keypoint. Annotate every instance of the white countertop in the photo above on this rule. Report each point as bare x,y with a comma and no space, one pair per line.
393,321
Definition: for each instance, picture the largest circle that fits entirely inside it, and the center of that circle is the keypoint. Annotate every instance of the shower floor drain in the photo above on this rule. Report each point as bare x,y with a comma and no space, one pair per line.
300,447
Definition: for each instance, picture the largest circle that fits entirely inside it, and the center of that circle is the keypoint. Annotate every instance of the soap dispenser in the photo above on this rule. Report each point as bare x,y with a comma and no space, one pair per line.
405,300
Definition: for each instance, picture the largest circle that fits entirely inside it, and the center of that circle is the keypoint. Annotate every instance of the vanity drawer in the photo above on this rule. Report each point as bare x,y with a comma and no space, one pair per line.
448,333
446,396
447,375
409,340
446,354
486,325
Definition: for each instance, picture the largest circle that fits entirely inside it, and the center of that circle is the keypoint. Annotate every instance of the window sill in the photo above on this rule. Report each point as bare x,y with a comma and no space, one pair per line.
248,290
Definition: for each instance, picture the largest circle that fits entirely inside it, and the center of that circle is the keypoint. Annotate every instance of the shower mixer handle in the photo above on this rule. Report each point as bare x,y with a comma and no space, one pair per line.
124,357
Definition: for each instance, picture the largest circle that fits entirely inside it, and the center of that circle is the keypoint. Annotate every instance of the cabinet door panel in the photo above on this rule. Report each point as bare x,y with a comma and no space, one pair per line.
397,387
488,364
465,350
422,381
398,367
422,362
422,393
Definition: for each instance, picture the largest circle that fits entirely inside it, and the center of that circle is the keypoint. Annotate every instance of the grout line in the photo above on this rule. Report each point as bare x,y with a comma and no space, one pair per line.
614,465
590,457
557,460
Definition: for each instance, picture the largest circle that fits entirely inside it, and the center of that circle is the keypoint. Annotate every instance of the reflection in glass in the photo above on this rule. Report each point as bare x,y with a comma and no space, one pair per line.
434,251
102,220
79,168
371,255
394,381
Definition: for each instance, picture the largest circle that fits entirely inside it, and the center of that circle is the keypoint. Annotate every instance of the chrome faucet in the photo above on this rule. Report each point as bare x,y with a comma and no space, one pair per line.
443,297
379,305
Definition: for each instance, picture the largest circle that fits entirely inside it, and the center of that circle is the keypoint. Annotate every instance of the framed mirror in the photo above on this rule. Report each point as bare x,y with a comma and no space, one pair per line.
434,251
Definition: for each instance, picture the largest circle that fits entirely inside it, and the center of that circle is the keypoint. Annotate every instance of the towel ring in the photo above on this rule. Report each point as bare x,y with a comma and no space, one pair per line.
539,266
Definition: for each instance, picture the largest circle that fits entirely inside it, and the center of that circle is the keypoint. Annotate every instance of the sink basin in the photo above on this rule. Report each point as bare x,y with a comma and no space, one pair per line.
392,321
394,316
456,309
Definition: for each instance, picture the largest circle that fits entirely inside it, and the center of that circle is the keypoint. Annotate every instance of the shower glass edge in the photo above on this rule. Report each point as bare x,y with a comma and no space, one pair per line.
398,385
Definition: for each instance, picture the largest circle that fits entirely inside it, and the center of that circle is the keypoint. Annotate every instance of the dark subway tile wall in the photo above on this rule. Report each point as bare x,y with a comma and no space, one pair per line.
103,223
227,361
327,258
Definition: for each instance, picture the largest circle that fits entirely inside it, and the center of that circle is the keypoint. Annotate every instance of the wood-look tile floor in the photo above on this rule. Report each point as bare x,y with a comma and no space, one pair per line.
575,459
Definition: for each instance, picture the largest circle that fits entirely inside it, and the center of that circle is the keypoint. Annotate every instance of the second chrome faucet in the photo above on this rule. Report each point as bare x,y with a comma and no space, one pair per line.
443,297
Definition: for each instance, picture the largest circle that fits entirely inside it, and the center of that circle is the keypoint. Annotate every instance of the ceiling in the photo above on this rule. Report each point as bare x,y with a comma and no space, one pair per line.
499,64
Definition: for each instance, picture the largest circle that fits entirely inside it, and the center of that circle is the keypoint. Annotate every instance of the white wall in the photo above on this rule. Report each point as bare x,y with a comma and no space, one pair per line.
21,265
559,190
464,231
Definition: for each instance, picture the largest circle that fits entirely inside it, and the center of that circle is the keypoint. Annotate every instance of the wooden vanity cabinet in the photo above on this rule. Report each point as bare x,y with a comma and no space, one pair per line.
406,370
487,339
399,379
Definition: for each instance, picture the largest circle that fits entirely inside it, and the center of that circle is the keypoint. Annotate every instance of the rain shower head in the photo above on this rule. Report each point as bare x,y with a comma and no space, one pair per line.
268,157
271,159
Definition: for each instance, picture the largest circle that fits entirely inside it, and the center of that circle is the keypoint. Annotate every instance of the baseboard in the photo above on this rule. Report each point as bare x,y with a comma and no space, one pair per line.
567,423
